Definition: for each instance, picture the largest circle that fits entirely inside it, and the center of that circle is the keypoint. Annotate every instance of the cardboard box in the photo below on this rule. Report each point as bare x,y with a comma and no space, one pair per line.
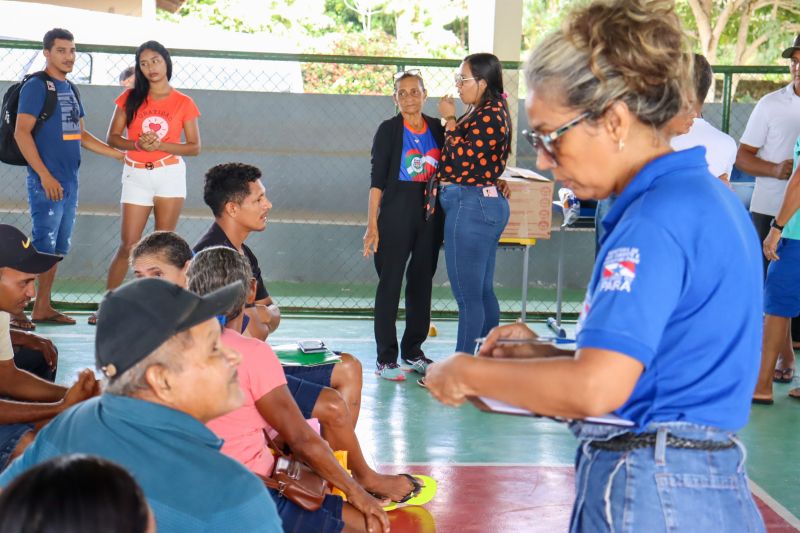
531,205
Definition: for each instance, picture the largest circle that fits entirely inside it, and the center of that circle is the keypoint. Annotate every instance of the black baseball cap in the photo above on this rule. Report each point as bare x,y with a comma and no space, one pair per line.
138,317
17,252
795,46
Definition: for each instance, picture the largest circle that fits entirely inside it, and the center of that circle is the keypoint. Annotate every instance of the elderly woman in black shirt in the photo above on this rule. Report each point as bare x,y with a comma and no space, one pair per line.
405,156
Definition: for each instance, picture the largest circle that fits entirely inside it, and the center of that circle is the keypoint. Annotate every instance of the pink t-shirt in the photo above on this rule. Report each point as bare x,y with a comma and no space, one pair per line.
243,429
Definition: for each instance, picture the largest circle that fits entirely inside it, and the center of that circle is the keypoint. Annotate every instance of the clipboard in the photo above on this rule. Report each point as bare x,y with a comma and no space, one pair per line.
291,355
489,405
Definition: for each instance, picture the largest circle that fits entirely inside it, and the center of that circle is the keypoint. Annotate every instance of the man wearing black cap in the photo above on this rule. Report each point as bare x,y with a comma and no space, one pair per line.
30,400
765,151
168,374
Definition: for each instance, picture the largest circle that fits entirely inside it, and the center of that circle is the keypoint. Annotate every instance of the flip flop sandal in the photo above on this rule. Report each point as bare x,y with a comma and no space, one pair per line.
23,324
92,320
763,401
58,318
786,375
423,492
794,393
421,383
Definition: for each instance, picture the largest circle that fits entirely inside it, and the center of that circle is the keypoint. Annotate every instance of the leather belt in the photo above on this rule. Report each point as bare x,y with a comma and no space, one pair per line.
171,160
632,441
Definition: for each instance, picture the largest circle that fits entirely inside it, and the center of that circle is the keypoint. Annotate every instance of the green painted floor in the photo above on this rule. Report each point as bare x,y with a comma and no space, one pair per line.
400,424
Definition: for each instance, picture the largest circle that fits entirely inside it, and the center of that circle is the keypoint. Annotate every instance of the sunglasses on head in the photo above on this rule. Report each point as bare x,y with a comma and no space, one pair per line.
410,72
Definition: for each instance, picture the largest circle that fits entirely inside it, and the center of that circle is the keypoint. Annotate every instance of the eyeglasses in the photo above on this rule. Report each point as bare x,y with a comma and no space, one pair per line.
546,143
410,72
459,79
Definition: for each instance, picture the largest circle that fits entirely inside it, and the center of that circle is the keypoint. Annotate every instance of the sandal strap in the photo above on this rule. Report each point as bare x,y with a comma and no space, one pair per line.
415,491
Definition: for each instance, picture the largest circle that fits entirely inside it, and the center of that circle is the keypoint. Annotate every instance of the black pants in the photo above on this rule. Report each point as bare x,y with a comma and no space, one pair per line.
761,222
33,361
404,233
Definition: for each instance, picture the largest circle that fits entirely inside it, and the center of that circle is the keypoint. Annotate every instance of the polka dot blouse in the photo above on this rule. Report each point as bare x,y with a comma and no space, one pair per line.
475,152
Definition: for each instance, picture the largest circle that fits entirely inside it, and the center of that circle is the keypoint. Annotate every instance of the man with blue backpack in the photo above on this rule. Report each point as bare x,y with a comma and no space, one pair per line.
46,115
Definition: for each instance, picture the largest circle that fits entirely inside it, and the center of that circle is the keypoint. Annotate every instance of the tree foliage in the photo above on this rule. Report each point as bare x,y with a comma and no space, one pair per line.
726,31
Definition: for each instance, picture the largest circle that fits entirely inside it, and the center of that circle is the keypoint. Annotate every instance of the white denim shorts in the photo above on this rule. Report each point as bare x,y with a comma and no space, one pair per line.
141,185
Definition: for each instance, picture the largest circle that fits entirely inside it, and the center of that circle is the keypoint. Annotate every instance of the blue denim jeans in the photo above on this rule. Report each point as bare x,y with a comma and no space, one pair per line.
472,227
52,221
9,437
662,489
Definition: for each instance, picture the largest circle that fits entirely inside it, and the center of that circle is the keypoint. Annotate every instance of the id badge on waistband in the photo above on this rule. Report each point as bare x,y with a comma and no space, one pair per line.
490,192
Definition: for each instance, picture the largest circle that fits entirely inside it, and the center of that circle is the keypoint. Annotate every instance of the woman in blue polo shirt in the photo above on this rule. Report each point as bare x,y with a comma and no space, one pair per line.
782,286
670,329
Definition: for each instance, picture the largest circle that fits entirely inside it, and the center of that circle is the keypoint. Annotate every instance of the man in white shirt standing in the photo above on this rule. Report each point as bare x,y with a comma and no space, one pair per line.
765,151
720,147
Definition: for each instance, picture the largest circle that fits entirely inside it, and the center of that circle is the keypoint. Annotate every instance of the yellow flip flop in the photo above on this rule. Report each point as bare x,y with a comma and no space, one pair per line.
423,492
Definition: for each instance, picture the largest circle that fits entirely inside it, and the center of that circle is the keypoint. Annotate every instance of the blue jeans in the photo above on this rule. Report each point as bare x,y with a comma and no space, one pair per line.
52,221
472,227
662,489
9,438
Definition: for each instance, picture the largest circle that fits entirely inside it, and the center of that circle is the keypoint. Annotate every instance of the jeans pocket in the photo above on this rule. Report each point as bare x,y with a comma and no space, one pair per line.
705,502
34,187
490,209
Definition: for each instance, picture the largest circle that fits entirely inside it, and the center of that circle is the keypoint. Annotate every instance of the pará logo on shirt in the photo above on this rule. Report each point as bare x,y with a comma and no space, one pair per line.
619,269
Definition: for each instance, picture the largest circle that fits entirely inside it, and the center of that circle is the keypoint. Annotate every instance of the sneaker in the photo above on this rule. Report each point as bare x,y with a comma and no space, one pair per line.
418,364
390,371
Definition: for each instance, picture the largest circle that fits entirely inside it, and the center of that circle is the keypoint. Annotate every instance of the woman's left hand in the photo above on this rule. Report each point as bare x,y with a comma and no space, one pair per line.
445,380
447,106
504,188
770,245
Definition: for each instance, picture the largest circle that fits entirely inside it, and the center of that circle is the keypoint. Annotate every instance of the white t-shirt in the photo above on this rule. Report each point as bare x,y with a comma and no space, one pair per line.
773,128
6,350
720,147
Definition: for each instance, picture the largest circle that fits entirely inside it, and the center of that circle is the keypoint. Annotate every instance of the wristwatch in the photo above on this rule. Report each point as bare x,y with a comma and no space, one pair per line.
774,224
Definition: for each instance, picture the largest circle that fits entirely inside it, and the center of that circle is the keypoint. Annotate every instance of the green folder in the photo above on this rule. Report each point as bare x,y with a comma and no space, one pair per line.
291,355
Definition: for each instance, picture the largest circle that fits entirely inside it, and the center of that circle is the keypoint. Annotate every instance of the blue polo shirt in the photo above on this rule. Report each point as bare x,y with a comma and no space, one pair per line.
677,285
176,460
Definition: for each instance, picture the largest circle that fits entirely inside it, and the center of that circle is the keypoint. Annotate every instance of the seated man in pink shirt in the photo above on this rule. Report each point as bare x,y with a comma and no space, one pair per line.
268,404
165,255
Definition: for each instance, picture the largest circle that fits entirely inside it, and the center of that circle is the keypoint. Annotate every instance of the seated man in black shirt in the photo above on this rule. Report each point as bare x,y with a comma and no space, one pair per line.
237,198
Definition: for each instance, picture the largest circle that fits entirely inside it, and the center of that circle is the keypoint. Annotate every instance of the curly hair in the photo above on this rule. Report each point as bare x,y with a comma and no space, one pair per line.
228,182
217,267
634,51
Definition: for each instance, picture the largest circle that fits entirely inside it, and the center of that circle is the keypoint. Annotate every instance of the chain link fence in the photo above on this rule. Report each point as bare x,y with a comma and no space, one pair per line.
307,121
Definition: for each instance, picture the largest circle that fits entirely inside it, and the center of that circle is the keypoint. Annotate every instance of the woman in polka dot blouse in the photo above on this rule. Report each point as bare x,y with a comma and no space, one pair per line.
476,211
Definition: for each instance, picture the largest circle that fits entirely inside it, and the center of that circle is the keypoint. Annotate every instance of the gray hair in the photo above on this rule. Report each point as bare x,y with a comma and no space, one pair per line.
408,75
169,355
632,51
216,267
